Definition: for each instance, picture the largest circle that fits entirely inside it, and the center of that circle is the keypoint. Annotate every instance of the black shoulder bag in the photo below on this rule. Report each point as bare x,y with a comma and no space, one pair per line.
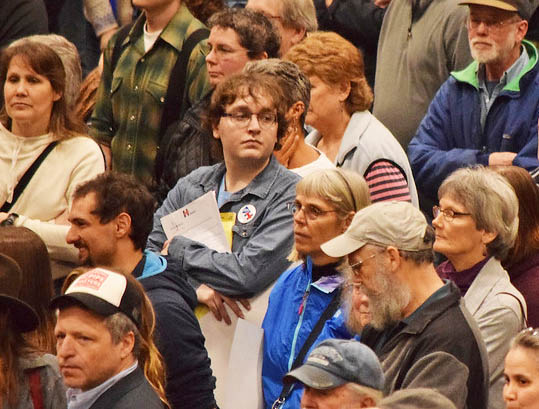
21,185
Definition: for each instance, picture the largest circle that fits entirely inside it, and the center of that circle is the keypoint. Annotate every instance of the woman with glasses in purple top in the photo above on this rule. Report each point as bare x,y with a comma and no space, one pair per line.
476,224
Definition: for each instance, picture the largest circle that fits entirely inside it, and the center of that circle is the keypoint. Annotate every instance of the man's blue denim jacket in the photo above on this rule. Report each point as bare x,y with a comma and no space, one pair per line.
260,247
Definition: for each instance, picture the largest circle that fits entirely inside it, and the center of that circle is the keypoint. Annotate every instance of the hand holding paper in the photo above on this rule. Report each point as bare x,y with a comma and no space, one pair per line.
200,221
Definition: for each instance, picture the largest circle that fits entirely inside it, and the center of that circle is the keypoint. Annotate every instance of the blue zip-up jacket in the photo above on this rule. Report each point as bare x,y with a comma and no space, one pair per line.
259,245
450,135
287,326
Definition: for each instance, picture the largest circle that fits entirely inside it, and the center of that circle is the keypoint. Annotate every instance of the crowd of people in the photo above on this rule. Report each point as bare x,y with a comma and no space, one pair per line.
373,163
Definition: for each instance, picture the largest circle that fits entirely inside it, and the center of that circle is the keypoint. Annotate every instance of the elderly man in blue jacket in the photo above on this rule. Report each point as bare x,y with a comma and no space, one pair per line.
487,113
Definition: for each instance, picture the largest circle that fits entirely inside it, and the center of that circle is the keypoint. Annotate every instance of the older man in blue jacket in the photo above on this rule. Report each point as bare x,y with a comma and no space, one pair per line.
487,113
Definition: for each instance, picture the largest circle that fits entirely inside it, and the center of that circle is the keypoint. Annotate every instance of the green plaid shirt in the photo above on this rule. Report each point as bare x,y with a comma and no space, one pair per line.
130,100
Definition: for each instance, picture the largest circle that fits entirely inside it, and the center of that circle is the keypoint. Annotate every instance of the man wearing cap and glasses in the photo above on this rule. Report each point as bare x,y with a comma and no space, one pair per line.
419,329
104,344
487,113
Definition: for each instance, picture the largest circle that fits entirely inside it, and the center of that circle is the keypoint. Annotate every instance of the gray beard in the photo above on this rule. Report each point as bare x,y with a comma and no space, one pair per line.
388,302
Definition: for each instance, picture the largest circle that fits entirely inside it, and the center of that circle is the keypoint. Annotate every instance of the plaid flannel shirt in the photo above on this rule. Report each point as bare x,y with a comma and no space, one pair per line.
130,100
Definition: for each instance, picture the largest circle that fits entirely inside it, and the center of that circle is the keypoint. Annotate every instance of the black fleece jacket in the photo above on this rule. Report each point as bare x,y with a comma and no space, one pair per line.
189,379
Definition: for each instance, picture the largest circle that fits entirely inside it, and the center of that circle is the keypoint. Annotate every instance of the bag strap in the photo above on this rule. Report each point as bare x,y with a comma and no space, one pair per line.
117,50
178,75
327,314
21,185
522,309
34,381
175,93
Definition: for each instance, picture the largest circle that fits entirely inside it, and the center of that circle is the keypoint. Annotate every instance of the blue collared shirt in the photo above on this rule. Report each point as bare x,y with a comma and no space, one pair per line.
77,399
487,98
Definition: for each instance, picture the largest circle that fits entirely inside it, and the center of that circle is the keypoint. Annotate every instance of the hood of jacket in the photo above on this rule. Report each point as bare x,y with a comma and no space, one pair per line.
172,279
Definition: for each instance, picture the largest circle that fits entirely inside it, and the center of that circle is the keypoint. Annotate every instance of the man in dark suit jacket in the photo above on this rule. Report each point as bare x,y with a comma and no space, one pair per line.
104,344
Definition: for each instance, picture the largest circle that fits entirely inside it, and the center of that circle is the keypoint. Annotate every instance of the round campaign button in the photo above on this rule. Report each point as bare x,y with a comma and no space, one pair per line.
246,214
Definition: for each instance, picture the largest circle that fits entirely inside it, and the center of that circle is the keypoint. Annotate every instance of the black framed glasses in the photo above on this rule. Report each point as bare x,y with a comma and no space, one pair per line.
449,214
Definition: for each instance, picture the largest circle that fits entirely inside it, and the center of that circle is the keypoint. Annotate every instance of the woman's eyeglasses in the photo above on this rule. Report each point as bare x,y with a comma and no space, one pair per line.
309,211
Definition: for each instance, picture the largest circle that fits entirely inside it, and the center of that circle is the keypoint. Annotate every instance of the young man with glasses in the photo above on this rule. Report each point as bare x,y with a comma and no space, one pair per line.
419,327
487,113
247,116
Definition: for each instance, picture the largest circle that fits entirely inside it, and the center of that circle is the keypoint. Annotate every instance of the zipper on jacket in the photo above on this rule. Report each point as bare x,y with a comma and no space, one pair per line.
301,313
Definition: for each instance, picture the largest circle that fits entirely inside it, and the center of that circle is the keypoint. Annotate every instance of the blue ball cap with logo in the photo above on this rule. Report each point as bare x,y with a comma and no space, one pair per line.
335,362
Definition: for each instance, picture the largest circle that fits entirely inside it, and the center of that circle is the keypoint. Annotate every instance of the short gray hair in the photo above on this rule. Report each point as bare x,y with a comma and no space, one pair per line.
294,82
119,325
299,14
69,55
490,200
362,390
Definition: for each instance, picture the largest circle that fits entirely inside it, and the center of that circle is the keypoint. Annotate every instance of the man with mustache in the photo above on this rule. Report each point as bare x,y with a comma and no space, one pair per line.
419,327
487,113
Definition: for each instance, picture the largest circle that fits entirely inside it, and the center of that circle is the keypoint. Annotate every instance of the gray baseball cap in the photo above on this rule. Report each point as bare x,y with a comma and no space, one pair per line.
335,362
384,224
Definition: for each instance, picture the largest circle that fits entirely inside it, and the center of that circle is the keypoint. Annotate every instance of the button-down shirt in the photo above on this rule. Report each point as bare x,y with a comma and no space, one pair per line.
487,98
77,399
130,100
260,245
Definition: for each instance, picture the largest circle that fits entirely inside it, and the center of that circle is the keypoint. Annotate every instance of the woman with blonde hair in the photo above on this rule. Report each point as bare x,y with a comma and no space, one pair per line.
43,153
346,131
326,201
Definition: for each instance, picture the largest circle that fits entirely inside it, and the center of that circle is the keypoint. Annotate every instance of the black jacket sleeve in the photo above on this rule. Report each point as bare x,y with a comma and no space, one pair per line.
189,380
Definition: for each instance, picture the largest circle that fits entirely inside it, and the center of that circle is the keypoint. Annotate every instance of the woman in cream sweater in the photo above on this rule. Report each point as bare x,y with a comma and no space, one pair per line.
33,116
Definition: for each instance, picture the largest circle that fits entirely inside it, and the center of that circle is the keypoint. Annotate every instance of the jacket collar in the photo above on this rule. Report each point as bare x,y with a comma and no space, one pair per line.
424,316
469,74
359,121
420,320
174,32
484,283
260,186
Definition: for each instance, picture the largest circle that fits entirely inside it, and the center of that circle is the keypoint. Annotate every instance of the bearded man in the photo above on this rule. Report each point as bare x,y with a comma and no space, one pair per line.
487,113
419,327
